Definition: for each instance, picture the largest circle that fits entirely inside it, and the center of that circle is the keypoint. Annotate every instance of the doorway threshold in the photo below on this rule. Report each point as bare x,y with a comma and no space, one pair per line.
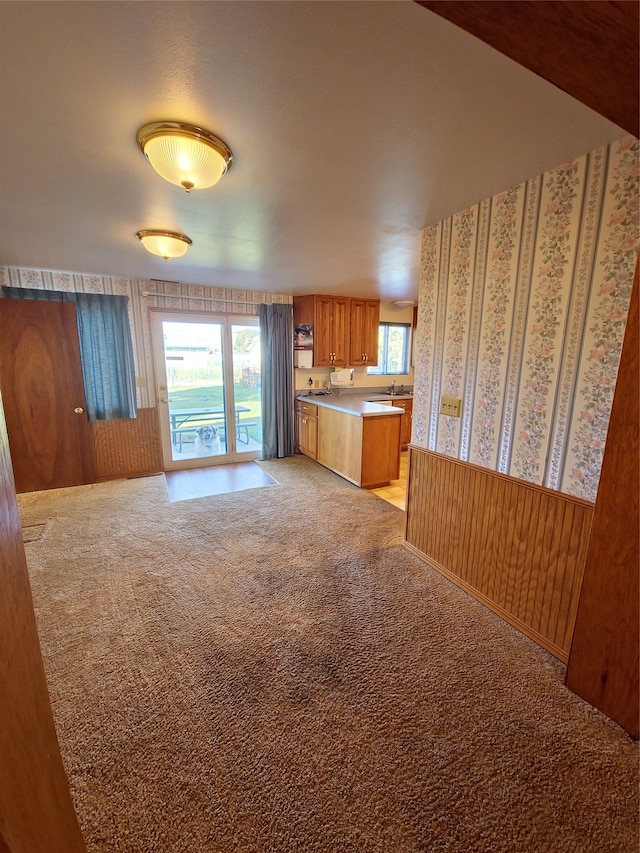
215,480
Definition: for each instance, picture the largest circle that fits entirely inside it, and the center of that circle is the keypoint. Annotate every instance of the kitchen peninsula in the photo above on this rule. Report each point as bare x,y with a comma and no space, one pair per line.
355,435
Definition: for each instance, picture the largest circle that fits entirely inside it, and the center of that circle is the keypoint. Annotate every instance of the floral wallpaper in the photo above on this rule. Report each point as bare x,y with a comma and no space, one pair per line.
522,310
144,294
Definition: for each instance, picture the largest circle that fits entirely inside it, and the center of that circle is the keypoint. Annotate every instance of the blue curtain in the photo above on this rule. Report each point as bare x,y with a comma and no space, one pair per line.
276,338
105,349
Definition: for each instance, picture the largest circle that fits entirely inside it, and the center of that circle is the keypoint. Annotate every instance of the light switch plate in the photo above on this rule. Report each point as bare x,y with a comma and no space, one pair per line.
451,406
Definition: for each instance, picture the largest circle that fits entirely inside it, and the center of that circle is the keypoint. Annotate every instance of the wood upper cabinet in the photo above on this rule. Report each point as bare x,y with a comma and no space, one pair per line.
345,331
363,341
331,332
329,316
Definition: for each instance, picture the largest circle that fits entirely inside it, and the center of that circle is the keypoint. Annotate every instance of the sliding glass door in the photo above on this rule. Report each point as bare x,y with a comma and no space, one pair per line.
208,388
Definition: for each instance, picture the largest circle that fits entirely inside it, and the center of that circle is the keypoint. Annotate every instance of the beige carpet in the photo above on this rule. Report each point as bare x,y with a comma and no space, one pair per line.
271,670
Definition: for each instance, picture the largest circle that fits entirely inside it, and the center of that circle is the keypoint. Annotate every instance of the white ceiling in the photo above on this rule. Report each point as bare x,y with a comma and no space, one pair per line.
353,125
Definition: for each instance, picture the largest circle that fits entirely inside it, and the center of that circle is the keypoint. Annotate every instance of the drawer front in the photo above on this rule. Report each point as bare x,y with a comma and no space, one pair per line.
306,408
403,404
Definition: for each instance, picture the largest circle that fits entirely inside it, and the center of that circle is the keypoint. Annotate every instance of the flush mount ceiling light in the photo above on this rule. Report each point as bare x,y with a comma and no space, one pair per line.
166,244
184,154
403,303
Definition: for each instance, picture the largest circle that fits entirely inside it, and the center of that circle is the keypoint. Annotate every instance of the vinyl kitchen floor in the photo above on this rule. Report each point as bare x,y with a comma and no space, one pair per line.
395,492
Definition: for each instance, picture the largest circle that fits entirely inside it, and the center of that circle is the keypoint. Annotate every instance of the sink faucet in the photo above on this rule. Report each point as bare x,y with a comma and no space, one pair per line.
392,387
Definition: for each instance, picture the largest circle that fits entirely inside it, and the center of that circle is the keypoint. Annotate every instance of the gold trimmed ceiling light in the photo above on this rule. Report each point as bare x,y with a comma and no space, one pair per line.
166,244
184,154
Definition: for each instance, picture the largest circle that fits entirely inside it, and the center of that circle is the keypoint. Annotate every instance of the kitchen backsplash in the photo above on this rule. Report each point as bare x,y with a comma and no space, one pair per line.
361,379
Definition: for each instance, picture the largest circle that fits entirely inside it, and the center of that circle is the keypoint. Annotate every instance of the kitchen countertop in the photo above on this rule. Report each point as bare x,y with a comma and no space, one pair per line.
362,404
399,396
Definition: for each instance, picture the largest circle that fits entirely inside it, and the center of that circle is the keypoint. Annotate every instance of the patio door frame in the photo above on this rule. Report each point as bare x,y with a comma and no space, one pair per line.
157,317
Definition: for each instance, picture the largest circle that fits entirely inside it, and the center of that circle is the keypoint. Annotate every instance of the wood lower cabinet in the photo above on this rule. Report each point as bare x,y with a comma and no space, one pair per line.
307,428
363,450
405,426
364,322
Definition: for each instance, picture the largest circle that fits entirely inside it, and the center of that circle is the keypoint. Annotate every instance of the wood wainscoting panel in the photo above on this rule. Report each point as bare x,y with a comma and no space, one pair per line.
517,547
127,447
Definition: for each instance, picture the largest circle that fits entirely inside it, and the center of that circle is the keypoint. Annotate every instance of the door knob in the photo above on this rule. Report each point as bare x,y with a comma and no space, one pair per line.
164,400
78,410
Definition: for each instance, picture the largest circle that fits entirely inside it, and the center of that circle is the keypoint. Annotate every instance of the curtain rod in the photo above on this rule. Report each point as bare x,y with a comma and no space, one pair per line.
200,298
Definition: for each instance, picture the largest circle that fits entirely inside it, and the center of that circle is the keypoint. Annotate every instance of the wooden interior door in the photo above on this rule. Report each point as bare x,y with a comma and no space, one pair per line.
43,393
603,662
36,811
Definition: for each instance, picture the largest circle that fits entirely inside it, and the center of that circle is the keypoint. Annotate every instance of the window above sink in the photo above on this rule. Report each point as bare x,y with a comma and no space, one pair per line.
394,347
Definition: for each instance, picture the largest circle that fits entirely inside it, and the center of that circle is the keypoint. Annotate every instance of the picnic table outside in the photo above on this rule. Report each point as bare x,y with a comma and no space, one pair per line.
185,421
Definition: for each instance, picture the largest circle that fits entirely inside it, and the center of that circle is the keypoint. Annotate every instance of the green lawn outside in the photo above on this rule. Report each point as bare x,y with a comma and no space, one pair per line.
195,397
